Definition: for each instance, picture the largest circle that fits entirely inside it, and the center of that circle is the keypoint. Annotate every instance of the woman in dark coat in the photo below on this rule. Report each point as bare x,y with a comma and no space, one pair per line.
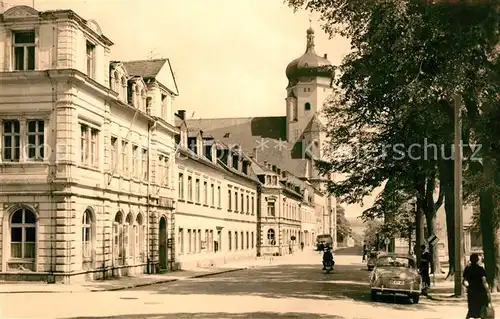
478,292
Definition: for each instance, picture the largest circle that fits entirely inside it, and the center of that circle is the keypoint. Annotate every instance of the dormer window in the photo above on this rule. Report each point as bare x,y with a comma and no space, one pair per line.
116,83
268,179
207,149
149,101
124,95
275,180
24,50
236,160
143,99
192,144
222,154
135,98
274,168
244,167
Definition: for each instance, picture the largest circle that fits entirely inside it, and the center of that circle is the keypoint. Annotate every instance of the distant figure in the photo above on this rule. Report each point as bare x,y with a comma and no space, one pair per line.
290,248
425,267
365,251
302,246
478,292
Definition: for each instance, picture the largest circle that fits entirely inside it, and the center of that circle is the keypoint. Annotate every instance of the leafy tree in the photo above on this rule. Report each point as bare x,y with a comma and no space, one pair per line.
409,61
343,225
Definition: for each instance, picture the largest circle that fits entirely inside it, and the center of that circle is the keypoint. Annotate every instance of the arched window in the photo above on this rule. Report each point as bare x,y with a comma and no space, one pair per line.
87,235
139,235
271,237
23,234
118,238
128,242
307,106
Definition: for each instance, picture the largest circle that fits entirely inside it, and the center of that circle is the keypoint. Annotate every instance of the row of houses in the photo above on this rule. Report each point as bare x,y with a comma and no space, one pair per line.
100,177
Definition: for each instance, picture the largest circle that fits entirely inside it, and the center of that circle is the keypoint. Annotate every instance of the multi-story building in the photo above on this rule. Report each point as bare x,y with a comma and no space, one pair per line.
216,215
295,141
287,211
86,145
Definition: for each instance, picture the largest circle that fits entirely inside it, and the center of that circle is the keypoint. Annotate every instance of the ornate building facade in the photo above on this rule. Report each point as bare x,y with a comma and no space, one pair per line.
86,145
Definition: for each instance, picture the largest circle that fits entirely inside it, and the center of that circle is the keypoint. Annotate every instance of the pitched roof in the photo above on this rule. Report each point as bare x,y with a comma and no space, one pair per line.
144,68
264,137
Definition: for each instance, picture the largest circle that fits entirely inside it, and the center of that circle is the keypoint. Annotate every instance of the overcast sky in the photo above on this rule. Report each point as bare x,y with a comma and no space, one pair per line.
229,56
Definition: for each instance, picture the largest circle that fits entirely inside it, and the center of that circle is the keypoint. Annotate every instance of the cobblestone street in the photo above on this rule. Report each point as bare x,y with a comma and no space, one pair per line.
295,289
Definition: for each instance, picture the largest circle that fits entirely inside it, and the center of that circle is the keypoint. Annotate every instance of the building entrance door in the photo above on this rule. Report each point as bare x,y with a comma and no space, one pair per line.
163,243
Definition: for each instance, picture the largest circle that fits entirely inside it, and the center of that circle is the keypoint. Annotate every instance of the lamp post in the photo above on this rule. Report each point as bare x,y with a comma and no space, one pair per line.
458,195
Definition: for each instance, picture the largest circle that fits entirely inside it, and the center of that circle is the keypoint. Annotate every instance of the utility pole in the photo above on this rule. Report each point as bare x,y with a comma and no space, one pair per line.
458,196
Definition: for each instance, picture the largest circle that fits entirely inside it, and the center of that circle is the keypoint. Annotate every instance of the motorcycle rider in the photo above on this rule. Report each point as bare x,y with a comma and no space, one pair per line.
327,258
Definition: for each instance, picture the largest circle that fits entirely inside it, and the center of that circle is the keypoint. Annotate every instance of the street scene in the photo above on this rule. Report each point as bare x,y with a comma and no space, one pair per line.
295,287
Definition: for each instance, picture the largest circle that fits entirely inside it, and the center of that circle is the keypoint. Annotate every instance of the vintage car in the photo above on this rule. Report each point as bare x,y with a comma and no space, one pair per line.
396,274
372,258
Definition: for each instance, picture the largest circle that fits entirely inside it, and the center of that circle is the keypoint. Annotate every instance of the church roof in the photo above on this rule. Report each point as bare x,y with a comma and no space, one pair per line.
264,137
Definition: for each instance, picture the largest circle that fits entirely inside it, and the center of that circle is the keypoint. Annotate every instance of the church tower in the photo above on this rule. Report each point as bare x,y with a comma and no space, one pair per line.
309,84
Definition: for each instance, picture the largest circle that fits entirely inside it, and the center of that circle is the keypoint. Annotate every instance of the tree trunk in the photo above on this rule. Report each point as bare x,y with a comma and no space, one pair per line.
433,249
489,237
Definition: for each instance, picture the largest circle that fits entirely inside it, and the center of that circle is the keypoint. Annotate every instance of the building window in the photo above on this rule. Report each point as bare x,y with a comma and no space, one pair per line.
24,50
135,161
271,209
90,59
145,167
36,140
88,146
205,193
87,235
253,240
242,241
230,240
180,240
163,175
140,238
248,240
229,200
129,238
218,196
235,201
271,240
212,194
124,161
23,234
11,141
253,206
197,190
118,239
190,188
242,203
114,154
248,205
307,106
189,240
181,186
235,240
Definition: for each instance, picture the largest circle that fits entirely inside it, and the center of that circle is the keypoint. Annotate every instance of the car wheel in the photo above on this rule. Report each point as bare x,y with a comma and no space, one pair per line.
415,298
374,295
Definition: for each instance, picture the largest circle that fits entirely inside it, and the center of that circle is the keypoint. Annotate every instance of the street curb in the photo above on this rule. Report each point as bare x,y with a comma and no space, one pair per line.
452,298
156,282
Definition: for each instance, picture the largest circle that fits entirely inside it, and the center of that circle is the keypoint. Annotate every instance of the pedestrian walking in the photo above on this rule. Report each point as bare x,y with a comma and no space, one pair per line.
302,246
478,292
424,268
365,251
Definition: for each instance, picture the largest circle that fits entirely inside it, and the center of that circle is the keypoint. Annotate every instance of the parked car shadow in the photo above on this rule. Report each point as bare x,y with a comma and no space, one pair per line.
219,315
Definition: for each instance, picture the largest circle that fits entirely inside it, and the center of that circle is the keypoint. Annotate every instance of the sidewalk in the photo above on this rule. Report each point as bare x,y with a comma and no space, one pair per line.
443,290
144,280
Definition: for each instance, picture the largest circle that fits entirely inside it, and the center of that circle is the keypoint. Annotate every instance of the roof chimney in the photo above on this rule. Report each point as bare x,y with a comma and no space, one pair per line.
325,56
254,154
265,164
182,114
